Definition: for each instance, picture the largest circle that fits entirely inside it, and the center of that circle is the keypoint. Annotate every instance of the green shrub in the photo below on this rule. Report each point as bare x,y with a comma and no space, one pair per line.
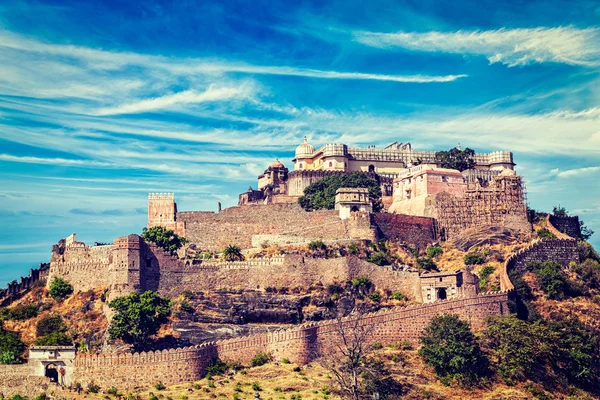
358,282
434,251
60,288
377,346
545,234
160,386
41,396
93,388
54,339
285,360
317,245
375,297
256,387
551,279
19,313
378,258
450,347
11,347
486,272
260,359
186,307
474,259
49,325
19,397
427,264
216,367
113,391
232,253
397,296
353,249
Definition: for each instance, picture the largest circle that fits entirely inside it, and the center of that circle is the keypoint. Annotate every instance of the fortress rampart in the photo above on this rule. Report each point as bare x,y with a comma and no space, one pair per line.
567,225
561,251
300,344
14,290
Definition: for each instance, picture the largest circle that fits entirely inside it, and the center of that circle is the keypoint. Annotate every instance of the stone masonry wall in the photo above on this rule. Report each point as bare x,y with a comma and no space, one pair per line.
237,225
567,225
16,290
416,231
300,344
16,379
561,251
85,267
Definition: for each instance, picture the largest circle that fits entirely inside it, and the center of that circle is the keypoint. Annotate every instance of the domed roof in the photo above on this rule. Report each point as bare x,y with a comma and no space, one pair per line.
305,149
277,164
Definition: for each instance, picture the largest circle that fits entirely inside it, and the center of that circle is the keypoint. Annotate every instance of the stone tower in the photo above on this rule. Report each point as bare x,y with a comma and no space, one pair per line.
126,264
162,211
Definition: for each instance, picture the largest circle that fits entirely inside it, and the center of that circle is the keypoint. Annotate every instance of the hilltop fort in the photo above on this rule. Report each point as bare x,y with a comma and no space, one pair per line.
424,203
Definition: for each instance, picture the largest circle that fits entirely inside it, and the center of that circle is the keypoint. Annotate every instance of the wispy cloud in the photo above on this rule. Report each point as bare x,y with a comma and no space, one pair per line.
513,47
53,161
577,172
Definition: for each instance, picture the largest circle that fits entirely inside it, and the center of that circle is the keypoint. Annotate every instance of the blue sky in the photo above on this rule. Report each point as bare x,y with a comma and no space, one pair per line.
103,102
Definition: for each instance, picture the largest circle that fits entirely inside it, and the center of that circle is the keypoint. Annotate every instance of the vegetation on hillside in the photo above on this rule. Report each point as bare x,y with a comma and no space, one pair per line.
11,346
138,317
232,253
321,194
456,159
586,232
51,331
60,288
166,239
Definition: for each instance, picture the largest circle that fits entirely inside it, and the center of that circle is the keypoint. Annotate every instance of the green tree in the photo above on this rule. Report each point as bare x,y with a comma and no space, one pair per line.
11,346
232,253
456,159
54,339
519,350
51,331
138,317
551,279
164,238
60,288
450,347
321,194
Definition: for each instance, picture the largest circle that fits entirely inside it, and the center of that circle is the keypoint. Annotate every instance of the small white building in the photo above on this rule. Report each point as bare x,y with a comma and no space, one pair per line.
348,200
53,362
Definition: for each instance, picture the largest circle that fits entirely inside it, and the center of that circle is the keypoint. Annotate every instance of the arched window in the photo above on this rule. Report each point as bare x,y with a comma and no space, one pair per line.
371,168
300,165
330,164
442,294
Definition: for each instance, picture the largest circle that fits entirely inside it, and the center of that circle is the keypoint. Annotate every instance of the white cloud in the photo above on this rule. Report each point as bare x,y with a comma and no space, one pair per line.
513,47
53,161
578,171
186,97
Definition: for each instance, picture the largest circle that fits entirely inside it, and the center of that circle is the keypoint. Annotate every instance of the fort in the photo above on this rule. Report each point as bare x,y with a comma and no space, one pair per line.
424,204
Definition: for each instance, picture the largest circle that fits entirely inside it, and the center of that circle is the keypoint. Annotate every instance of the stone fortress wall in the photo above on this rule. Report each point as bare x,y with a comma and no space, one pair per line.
14,290
300,344
567,225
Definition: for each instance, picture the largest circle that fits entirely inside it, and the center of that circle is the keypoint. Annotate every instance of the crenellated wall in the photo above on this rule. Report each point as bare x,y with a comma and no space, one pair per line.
561,251
567,225
15,290
300,344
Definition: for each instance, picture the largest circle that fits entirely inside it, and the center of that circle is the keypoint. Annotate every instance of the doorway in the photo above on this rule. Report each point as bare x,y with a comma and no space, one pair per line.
441,294
51,372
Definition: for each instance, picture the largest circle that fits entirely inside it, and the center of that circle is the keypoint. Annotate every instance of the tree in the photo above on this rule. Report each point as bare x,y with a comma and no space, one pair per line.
232,253
450,347
60,288
11,346
519,350
164,238
321,194
456,159
350,360
138,317
51,331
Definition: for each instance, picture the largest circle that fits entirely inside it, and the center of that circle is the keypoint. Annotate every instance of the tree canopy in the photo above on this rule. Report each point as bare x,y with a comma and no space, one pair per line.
164,238
232,253
138,317
450,347
321,194
11,346
456,159
60,288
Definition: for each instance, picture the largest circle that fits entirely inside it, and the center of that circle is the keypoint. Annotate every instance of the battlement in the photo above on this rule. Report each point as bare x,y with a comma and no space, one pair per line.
161,196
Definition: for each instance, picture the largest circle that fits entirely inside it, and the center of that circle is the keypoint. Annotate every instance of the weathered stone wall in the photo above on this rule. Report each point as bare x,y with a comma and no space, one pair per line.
561,251
568,225
16,290
300,344
17,379
237,225
416,231
85,267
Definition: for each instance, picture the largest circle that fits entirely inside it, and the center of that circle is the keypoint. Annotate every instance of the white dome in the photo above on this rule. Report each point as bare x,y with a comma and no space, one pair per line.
305,149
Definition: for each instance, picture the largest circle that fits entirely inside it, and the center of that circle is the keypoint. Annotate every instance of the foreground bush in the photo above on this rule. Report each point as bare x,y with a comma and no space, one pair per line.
166,239
11,347
450,347
260,359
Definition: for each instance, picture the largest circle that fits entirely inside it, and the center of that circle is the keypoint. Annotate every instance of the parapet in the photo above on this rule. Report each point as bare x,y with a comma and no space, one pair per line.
161,196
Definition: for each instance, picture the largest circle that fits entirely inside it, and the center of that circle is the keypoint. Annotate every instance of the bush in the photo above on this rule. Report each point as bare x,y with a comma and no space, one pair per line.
551,279
186,307
285,360
456,159
164,238
316,245
353,249
486,272
427,264
260,359
256,387
19,313
113,391
450,347
474,259
321,194
60,288
54,339
160,386
434,251
397,296
378,258
545,234
375,297
232,253
358,282
216,367
48,325
11,347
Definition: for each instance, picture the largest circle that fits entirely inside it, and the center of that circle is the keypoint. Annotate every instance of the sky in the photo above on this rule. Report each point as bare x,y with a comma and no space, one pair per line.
102,102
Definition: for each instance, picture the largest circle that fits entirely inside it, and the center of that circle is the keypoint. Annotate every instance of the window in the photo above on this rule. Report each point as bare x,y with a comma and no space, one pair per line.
444,179
440,279
330,164
300,165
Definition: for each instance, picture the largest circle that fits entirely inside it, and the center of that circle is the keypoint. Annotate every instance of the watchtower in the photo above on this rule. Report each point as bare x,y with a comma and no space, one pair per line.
348,200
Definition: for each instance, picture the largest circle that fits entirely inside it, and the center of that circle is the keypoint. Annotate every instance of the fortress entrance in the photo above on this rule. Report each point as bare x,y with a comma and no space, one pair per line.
371,168
354,208
441,294
51,372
